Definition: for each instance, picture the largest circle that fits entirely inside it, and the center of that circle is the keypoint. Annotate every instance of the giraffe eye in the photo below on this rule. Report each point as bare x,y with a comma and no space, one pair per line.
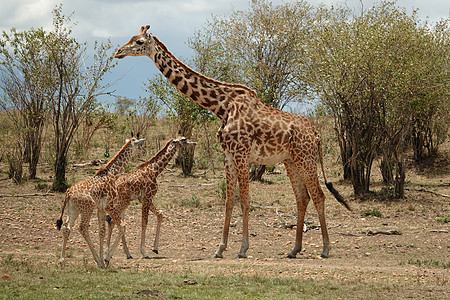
139,42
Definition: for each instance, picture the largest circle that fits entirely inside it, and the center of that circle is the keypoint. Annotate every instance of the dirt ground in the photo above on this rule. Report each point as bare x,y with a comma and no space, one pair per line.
416,258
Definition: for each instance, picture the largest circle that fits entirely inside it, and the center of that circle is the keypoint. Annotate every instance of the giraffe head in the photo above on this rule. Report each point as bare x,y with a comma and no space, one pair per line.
182,142
141,44
136,145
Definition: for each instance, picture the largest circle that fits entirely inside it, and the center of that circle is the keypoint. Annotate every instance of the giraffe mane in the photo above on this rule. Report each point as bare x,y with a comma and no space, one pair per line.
156,157
104,170
232,85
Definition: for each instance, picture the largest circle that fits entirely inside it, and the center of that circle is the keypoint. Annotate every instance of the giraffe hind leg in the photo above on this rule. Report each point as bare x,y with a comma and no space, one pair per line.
159,219
307,168
116,218
319,202
302,200
72,215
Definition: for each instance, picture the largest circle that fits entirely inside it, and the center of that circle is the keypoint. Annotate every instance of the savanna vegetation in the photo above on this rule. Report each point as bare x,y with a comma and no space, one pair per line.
382,75
379,83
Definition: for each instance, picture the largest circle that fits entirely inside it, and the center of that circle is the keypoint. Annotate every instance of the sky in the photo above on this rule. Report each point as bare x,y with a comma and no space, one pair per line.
173,21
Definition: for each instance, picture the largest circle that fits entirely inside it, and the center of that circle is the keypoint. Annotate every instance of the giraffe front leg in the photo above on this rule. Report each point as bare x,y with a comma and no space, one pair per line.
230,196
124,241
125,247
244,194
109,233
226,227
84,231
144,222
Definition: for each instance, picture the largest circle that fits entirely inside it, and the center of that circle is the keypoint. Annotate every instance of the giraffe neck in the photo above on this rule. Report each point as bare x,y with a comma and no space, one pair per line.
158,163
118,163
215,96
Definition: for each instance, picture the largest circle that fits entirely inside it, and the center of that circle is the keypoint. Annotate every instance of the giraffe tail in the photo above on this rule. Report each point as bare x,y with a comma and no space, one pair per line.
329,185
59,222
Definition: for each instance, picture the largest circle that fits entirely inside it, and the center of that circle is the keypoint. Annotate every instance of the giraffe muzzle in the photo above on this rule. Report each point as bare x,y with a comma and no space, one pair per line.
119,54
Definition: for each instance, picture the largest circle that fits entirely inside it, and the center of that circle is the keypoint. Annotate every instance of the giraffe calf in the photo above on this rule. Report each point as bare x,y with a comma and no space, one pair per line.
97,193
141,184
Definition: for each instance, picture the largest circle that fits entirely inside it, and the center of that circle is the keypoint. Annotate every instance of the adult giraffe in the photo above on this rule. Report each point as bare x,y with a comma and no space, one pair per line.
251,132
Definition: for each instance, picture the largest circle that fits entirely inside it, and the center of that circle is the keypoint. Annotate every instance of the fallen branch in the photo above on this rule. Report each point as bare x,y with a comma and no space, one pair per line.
388,232
9,219
372,233
27,195
350,234
428,191
92,163
200,174
439,231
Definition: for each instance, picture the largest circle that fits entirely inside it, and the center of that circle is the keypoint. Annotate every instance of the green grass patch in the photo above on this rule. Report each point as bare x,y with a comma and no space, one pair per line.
41,186
444,220
372,212
193,202
429,263
34,278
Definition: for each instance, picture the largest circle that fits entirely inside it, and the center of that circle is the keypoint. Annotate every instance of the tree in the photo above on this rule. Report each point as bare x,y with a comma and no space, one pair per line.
370,72
23,68
141,114
76,87
337,69
95,120
258,48
432,89
186,113
123,104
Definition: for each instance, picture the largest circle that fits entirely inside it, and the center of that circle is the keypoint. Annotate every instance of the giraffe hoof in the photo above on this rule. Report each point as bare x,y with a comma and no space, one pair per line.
323,255
155,251
242,256
290,255
129,257
217,256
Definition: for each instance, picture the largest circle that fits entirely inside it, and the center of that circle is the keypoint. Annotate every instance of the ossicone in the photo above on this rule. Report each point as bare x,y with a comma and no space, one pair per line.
144,29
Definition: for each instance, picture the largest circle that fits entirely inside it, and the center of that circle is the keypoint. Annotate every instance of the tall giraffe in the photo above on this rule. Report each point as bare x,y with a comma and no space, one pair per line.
98,193
141,184
251,132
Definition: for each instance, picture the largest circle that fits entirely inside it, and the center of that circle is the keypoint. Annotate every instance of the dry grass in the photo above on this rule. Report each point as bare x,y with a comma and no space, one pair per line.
411,265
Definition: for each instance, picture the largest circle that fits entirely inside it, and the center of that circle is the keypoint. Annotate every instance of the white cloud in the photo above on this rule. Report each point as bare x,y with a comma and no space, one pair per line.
24,14
173,21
